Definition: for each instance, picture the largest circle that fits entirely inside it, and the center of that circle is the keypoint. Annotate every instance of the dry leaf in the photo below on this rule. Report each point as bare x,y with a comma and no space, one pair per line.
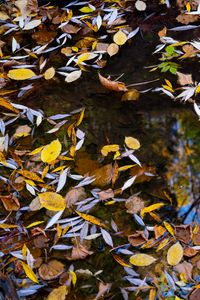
51,270
137,239
151,208
29,272
116,86
141,260
109,148
75,195
184,79
175,254
183,233
80,252
112,49
185,268
103,175
105,195
10,202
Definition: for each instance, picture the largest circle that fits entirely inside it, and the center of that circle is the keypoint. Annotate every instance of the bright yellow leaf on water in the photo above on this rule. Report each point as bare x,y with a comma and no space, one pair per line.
30,175
132,143
91,219
86,9
21,74
58,294
109,148
151,208
141,260
51,151
34,224
5,103
175,254
36,151
120,38
197,91
49,73
29,272
74,277
82,58
52,201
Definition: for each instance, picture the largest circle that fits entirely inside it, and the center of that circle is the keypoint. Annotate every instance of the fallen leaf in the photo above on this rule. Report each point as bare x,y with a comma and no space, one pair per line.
141,260
49,73
21,74
112,49
137,239
51,151
58,293
185,268
73,76
52,201
51,270
134,204
103,175
105,195
131,95
75,195
140,5
29,272
116,86
184,79
175,254
132,143
6,104
10,202
30,175
109,148
151,208
183,233
91,219
120,38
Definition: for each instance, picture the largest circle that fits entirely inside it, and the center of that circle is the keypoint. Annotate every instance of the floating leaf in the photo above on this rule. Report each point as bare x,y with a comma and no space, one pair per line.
141,260
51,151
30,175
29,272
140,5
120,38
51,270
32,24
49,73
131,95
5,103
175,254
132,143
58,294
116,86
73,76
52,201
112,49
109,148
91,219
151,208
21,74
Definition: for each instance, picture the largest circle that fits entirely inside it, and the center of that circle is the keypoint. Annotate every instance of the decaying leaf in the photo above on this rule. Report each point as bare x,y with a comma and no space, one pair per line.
141,260
103,175
151,208
134,204
10,202
51,270
184,79
49,73
185,268
175,254
137,239
116,86
75,195
109,148
29,272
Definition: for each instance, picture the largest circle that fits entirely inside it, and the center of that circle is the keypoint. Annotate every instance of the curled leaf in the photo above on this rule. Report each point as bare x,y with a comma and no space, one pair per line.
116,86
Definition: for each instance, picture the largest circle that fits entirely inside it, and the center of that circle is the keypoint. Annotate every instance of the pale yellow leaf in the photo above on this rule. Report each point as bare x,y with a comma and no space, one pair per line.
112,49
141,260
120,38
58,294
21,74
132,143
51,151
175,254
49,73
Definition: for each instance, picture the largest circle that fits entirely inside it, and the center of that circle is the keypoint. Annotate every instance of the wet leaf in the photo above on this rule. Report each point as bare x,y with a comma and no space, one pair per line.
109,148
75,195
175,254
112,85
141,260
51,270
131,95
52,201
51,151
30,175
151,208
21,74
58,293
6,104
140,5
49,73
112,49
134,204
91,219
132,143
120,38
29,272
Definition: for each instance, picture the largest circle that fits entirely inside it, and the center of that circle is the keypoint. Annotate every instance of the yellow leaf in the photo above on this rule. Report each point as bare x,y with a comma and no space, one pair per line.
58,294
21,74
120,38
124,168
74,277
5,103
162,244
30,175
175,254
82,58
34,224
7,226
49,73
141,260
51,151
36,151
91,219
29,273
121,261
188,7
112,49
132,143
109,148
151,208
169,228
86,9
197,91
152,294
24,250
52,201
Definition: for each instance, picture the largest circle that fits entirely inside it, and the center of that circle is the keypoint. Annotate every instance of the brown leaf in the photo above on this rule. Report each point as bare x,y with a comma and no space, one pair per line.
196,237
10,202
137,239
184,79
116,86
190,252
186,19
105,195
195,295
186,269
162,32
80,251
134,204
69,28
51,270
103,175
183,233
43,37
103,288
75,195
131,95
